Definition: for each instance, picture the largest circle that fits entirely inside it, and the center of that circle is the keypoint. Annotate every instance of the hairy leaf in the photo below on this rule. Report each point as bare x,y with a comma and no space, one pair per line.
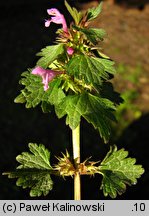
34,171
92,34
77,16
92,13
100,113
108,65
38,158
74,107
87,68
39,181
95,110
34,94
118,170
49,54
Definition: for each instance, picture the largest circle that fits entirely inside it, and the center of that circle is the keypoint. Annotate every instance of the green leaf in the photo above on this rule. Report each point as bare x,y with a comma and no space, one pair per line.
34,171
96,110
38,158
108,65
77,16
34,94
87,68
118,171
74,107
92,34
100,114
39,181
54,95
92,13
46,107
20,99
49,54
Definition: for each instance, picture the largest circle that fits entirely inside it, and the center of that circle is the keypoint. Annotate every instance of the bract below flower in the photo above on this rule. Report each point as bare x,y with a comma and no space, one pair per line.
57,18
47,75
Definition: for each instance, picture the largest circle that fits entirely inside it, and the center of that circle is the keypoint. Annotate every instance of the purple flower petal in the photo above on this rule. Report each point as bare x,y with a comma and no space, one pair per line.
46,74
57,18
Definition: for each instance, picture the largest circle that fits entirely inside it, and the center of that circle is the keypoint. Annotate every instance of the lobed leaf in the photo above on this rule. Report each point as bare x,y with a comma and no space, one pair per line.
97,111
34,171
38,158
73,106
33,94
108,65
92,70
49,54
118,171
100,113
92,34
86,68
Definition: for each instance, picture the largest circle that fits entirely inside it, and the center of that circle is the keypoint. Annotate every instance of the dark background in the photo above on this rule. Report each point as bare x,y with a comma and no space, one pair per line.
23,35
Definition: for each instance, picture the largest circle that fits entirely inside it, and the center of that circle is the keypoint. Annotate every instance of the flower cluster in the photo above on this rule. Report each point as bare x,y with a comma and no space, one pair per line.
46,74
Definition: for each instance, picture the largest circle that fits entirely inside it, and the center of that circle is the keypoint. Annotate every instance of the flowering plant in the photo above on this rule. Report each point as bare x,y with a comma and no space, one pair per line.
73,76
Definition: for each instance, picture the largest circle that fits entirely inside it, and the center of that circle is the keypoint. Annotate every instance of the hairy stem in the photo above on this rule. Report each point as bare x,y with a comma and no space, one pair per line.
76,157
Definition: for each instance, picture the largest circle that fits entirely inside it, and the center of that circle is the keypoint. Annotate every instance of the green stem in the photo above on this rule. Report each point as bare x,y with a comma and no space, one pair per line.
76,157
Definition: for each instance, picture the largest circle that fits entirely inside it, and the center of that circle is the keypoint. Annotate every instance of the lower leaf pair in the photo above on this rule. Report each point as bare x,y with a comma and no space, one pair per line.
35,171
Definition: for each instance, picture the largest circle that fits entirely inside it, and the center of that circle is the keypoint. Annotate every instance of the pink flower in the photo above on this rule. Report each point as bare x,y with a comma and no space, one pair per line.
70,51
47,75
57,18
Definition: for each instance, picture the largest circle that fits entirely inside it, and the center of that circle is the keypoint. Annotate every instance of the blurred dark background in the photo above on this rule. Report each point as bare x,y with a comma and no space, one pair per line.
23,35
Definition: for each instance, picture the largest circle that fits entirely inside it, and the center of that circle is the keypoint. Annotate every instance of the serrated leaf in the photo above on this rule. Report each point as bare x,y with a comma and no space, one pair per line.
95,110
54,95
86,68
39,181
38,158
92,13
77,16
99,114
49,54
108,65
92,34
118,170
34,93
34,171
74,107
